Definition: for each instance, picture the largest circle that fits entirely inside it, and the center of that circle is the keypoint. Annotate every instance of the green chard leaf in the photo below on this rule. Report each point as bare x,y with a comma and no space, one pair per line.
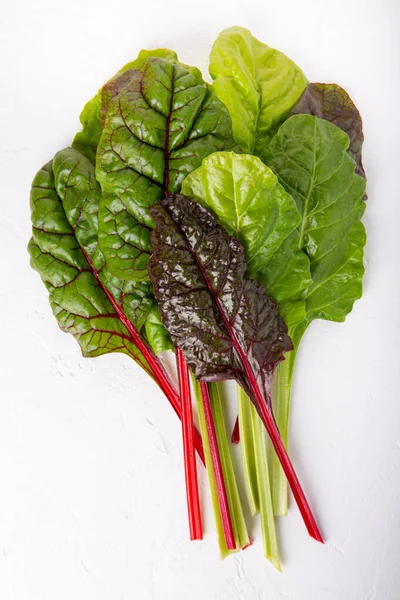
311,159
86,299
257,84
309,156
331,102
156,334
86,141
250,203
158,128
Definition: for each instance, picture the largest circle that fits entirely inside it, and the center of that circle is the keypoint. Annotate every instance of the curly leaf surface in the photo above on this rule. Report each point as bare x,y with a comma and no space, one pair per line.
222,321
158,128
225,324
86,141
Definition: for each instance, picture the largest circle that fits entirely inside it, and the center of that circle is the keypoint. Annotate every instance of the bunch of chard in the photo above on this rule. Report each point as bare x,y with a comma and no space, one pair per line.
216,222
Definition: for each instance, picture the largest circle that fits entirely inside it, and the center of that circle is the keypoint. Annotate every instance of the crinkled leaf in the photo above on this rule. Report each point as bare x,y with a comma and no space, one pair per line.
258,85
158,129
223,322
331,102
86,141
156,334
77,295
80,194
309,156
250,203
124,76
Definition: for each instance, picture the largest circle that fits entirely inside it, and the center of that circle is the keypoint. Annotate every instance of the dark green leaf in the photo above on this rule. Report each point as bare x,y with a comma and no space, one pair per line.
86,141
77,293
309,156
157,130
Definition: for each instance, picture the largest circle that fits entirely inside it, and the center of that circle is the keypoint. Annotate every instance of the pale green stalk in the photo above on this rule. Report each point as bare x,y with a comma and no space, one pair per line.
264,489
235,507
253,445
281,404
247,450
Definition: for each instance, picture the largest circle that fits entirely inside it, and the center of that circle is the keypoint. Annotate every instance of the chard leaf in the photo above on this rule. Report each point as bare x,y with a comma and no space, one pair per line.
250,203
309,156
257,84
156,334
86,141
223,322
158,129
331,102
80,194
62,249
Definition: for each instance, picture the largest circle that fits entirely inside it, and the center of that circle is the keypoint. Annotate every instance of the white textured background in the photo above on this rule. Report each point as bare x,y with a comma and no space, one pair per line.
92,503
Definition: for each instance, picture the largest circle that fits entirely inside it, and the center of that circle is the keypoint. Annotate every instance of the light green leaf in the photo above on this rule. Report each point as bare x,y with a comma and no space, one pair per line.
156,334
86,140
258,85
158,128
250,203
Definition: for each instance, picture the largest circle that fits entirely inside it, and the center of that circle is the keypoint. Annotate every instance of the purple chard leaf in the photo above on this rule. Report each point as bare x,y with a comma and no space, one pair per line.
224,323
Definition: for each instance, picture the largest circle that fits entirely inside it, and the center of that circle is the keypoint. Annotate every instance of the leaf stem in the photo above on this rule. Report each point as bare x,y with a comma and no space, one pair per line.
263,405
158,371
248,451
217,467
253,446
270,542
235,505
189,453
281,402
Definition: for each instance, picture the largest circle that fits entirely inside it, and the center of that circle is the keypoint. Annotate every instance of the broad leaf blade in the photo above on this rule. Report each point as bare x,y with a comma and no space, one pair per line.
226,325
258,85
331,102
158,129
249,202
80,194
309,156
216,316
86,141
77,297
